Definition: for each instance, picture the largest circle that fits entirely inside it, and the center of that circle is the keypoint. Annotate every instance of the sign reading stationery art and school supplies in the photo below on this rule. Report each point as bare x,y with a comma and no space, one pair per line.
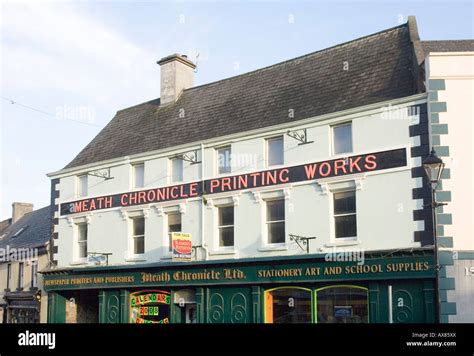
182,246
311,171
150,307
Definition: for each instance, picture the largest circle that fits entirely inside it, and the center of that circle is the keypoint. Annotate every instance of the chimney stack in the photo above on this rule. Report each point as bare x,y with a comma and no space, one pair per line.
177,74
19,210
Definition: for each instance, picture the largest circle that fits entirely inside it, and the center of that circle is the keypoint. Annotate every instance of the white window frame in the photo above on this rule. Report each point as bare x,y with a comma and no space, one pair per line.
218,242
171,160
21,275
333,217
9,276
34,274
133,237
80,192
267,150
168,234
218,167
333,138
267,235
134,175
79,242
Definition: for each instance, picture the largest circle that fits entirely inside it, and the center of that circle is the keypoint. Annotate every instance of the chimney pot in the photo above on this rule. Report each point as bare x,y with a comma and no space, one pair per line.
19,210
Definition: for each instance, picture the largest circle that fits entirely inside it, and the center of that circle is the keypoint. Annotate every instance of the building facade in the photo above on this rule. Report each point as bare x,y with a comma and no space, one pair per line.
450,80
23,253
298,184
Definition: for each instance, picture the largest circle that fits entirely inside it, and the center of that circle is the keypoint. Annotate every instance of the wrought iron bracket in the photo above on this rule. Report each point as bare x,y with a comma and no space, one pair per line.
101,173
191,156
195,249
302,241
299,135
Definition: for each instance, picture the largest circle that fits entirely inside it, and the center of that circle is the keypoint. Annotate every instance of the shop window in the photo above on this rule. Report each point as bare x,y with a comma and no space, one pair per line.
174,225
275,151
223,160
345,218
276,221
138,175
176,170
138,235
288,305
226,226
82,240
342,304
342,138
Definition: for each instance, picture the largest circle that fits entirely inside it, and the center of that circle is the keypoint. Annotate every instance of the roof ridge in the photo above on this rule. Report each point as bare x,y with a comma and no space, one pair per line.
299,57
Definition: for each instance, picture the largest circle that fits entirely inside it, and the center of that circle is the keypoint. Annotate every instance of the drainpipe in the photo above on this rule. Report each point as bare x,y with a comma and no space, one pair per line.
390,305
203,234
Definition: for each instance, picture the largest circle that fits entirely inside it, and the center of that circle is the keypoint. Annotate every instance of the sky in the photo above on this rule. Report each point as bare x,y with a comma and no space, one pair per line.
69,66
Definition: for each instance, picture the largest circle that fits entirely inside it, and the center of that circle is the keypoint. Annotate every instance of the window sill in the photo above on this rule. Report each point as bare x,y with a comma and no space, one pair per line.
275,247
78,262
343,243
167,256
137,258
223,252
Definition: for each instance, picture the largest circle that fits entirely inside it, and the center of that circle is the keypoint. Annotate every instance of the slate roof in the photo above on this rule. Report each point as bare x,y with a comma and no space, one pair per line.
36,230
447,46
380,68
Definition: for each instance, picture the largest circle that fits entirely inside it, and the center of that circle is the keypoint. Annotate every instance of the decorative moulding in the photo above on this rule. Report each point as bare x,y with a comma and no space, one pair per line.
257,197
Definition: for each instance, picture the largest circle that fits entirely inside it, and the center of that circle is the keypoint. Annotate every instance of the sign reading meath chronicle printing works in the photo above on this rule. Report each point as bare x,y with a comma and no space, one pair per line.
244,273
311,171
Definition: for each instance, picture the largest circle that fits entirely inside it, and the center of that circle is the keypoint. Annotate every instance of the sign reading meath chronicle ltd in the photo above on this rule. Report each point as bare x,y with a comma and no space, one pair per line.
310,171
244,273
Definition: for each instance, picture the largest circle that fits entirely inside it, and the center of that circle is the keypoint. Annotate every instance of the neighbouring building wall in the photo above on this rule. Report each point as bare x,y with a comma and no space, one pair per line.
450,81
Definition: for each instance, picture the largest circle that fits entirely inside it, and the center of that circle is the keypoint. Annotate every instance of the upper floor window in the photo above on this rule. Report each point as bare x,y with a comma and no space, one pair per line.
34,274
82,241
138,175
138,235
275,151
21,272
176,170
342,138
226,226
82,186
9,275
223,160
174,225
276,221
345,215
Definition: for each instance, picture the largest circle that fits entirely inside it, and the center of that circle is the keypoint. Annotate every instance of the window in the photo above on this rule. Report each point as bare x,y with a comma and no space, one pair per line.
223,160
276,221
226,226
345,214
82,186
174,225
138,235
342,138
34,274
139,175
9,275
275,151
342,305
176,170
82,240
288,305
21,271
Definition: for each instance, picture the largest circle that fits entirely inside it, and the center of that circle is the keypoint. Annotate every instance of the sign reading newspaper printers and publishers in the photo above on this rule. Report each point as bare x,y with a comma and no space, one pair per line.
182,246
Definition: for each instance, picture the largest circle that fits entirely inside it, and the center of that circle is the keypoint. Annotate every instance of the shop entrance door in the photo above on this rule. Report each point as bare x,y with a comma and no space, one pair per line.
229,305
